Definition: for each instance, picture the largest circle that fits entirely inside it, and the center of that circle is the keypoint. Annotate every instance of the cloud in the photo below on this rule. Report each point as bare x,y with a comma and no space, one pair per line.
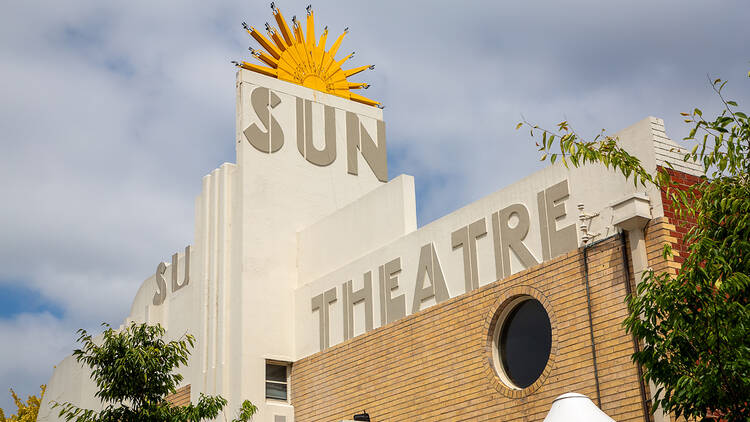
112,112
32,343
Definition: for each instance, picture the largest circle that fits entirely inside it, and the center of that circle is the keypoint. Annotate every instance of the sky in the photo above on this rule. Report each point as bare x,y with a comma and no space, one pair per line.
111,112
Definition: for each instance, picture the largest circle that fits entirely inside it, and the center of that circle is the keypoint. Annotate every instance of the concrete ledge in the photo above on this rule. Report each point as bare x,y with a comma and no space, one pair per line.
632,212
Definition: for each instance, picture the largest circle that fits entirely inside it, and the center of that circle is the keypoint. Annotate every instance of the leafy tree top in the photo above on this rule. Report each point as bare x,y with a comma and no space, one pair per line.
134,371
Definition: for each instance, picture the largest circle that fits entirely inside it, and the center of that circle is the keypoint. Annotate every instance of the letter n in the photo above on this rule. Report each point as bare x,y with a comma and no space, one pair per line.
357,138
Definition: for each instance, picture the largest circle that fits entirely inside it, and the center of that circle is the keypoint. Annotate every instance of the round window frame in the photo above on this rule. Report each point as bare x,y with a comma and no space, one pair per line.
500,310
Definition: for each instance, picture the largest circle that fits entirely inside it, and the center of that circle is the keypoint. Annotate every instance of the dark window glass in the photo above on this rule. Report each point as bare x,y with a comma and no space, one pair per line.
275,372
275,391
276,382
525,342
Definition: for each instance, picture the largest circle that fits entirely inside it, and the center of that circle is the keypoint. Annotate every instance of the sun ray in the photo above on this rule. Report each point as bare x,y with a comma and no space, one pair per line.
323,38
292,55
336,74
297,28
302,46
303,61
310,28
262,41
260,69
337,44
337,67
356,70
318,53
339,86
285,32
361,99
274,34
299,46
265,58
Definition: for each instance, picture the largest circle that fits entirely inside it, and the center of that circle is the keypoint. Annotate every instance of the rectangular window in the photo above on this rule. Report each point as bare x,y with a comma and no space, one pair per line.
277,380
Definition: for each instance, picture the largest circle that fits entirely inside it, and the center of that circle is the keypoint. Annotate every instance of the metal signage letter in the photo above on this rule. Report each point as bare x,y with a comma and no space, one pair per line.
161,284
305,145
270,138
357,138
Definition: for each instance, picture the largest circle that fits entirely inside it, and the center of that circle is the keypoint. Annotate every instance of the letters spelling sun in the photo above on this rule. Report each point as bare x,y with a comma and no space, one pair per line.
268,137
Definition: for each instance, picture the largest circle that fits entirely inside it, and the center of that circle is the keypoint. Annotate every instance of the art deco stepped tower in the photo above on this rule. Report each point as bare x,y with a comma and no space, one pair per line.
306,146
298,140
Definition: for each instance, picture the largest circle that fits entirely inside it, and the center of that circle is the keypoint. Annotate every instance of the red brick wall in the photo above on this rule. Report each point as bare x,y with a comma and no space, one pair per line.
682,224
671,229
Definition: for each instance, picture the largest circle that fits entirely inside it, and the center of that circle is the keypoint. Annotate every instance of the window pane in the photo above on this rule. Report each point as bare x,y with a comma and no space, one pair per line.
275,372
275,391
525,342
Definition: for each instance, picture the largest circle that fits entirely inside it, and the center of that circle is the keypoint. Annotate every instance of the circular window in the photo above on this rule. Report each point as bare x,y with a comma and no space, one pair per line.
522,342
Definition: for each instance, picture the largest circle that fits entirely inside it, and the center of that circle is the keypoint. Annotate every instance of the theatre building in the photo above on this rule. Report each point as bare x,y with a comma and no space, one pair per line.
312,292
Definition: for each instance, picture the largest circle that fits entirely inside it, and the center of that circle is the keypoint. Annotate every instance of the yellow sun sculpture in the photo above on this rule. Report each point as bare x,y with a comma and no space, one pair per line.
294,56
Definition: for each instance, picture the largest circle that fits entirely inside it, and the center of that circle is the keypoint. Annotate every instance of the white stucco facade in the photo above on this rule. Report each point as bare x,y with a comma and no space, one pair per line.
279,234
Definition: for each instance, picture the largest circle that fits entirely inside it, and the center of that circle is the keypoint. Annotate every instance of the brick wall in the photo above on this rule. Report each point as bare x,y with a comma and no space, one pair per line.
680,181
436,365
658,232
181,397
670,229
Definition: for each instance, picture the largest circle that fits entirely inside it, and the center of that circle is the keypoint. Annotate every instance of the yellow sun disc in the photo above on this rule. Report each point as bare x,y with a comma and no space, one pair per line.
292,55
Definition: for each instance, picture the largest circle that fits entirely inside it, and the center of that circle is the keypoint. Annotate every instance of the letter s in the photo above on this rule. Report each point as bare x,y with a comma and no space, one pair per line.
270,138
161,284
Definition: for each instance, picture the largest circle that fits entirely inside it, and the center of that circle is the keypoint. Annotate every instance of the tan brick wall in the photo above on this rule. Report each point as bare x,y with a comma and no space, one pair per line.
436,365
659,232
181,397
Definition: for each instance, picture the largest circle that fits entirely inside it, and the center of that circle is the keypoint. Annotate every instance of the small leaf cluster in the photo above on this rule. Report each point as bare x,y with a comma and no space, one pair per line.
573,150
724,147
246,412
694,326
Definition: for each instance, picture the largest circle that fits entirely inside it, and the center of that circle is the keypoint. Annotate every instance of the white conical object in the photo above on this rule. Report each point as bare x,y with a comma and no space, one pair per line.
574,407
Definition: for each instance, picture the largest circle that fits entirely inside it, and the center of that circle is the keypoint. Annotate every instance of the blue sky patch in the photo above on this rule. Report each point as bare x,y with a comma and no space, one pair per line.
16,299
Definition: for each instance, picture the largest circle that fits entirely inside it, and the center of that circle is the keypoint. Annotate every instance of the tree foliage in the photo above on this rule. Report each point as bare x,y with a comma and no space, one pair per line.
695,326
27,412
134,373
246,411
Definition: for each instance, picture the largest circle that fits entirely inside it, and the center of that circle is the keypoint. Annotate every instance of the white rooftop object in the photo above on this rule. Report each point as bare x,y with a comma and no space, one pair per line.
574,407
